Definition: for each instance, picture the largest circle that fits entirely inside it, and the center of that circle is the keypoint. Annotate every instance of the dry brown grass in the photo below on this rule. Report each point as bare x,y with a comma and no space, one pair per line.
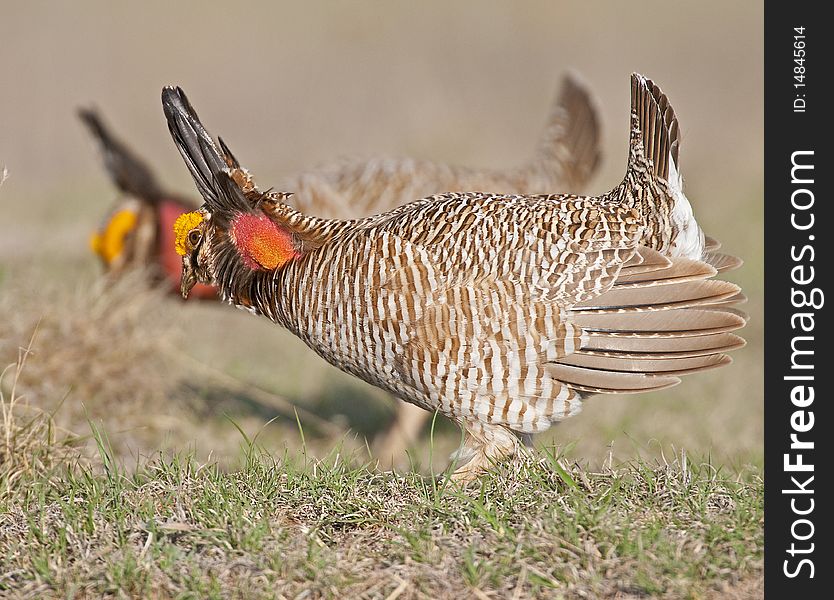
96,353
114,355
32,446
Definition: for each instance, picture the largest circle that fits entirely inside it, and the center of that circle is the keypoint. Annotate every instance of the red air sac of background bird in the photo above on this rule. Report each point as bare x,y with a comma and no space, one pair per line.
138,231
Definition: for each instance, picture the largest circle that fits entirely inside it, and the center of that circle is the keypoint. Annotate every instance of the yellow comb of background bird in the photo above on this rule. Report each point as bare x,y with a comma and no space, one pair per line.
109,243
185,223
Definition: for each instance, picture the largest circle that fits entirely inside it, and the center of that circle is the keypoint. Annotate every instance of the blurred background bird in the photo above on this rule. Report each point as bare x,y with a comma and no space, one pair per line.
138,231
503,312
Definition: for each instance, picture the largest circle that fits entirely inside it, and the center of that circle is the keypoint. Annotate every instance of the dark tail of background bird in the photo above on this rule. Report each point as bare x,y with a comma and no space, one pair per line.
129,173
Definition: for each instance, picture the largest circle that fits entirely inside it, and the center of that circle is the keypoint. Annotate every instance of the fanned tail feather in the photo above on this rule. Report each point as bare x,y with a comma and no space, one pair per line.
658,126
721,262
652,327
711,244
655,146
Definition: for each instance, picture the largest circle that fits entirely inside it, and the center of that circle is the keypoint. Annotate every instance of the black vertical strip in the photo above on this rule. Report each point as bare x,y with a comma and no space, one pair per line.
798,426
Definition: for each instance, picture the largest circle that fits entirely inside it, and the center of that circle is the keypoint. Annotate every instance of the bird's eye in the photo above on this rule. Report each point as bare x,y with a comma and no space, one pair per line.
194,237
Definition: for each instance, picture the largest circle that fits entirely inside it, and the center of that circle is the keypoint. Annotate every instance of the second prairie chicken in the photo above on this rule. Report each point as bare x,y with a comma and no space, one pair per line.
503,312
138,229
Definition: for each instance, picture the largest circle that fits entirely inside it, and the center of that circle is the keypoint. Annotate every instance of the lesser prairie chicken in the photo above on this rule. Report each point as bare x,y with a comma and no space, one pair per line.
503,312
138,229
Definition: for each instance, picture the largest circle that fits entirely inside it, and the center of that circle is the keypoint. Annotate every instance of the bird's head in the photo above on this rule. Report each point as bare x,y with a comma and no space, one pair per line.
125,237
110,240
232,236
190,233
212,243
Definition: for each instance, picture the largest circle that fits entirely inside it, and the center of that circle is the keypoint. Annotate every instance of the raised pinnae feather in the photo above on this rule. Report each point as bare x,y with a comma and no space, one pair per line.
233,162
208,165
193,142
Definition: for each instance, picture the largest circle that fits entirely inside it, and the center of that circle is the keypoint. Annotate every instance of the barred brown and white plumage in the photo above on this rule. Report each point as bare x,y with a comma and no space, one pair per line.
138,228
503,312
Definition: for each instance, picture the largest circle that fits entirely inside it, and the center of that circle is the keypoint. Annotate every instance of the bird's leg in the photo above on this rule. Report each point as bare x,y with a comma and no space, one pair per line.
486,444
405,429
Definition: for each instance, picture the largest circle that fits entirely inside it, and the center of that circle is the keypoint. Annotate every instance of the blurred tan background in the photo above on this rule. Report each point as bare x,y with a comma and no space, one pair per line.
290,85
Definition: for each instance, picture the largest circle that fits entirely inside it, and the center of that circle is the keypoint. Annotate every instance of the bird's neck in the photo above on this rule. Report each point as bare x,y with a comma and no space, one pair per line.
263,244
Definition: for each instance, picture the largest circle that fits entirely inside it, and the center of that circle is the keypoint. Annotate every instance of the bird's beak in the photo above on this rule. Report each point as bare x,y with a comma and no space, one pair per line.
189,279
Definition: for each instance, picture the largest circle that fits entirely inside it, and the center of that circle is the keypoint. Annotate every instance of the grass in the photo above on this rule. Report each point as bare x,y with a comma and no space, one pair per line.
32,447
76,523
295,527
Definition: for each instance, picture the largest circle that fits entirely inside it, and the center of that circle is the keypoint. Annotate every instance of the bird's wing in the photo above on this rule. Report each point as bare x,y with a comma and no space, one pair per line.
559,249
516,318
485,300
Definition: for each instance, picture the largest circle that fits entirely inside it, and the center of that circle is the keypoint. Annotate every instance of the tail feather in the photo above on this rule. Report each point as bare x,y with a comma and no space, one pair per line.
683,269
661,296
598,381
654,178
711,244
600,344
699,321
653,327
658,126
572,137
129,173
671,366
722,262
738,298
